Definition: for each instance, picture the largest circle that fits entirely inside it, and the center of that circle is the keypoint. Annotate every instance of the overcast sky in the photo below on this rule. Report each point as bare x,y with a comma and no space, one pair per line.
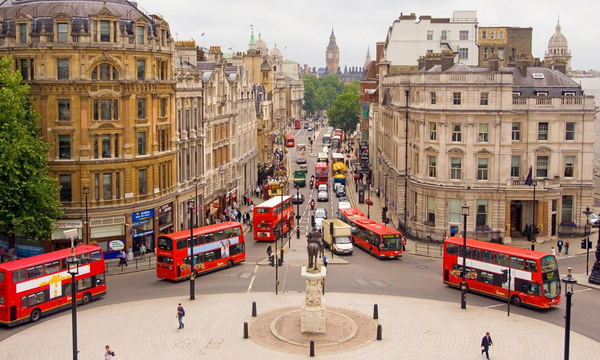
304,26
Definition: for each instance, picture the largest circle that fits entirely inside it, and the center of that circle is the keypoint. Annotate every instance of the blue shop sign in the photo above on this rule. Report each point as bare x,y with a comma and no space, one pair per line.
144,214
28,250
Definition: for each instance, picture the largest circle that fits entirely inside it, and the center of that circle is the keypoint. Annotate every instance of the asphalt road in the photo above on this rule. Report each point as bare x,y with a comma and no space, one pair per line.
412,276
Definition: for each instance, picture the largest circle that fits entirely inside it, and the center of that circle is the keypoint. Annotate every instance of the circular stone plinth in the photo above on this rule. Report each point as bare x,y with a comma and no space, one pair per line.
346,330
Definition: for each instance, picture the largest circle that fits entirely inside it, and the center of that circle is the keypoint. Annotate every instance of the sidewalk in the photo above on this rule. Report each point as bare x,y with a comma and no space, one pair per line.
412,329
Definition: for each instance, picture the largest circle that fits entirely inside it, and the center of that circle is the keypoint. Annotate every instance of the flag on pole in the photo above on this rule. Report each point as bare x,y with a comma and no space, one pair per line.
529,180
202,34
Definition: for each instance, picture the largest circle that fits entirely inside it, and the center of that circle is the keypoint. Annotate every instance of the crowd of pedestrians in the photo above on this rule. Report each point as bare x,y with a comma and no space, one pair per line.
9,255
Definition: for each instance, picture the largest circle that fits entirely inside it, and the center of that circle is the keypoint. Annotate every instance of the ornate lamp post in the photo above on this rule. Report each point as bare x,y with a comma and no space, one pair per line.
191,247
463,285
369,203
569,281
73,269
587,229
86,191
297,216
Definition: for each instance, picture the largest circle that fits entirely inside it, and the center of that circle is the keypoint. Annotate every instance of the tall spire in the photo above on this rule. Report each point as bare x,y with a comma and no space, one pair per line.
332,36
368,58
252,43
558,24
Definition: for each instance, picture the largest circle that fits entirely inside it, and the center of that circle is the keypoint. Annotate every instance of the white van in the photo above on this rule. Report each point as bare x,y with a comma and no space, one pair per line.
344,205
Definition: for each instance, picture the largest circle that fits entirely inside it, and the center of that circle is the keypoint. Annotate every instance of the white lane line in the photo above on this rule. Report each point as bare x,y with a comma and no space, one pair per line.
582,290
284,278
253,277
493,306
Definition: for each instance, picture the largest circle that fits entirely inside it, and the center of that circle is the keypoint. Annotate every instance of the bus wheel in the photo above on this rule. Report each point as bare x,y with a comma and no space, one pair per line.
86,298
229,264
516,301
36,314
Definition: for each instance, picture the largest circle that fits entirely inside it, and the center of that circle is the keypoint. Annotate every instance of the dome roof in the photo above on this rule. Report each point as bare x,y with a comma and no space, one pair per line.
558,40
261,44
276,52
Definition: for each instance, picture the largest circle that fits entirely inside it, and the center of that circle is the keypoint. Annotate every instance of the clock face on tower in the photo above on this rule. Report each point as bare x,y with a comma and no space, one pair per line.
330,55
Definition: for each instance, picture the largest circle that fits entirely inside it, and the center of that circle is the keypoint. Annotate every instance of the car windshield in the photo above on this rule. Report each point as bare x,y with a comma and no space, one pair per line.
320,212
342,240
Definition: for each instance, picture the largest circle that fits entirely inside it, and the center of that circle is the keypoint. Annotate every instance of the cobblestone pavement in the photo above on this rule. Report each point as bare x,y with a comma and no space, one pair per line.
412,329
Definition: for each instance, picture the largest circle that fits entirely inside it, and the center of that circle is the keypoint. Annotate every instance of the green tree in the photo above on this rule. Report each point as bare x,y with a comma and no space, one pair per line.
344,112
310,98
28,194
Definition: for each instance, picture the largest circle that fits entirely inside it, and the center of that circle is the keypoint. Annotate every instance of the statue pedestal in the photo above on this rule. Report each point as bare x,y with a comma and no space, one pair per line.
313,308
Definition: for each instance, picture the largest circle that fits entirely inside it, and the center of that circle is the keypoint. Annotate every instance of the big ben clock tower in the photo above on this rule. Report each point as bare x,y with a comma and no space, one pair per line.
332,55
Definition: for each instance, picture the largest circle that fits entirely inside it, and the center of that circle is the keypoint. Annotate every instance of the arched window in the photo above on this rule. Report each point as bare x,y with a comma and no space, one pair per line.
105,72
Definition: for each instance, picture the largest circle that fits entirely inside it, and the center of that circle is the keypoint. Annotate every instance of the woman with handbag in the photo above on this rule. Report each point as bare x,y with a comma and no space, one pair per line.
108,355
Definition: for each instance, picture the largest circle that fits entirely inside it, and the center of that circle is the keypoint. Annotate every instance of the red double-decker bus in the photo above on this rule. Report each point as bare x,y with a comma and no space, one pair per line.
297,124
321,173
214,247
534,277
269,215
377,239
41,285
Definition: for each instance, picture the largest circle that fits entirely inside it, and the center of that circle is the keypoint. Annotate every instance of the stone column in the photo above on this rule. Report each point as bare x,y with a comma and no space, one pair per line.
313,307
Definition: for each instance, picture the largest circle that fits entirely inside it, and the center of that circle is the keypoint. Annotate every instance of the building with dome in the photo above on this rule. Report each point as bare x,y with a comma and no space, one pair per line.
101,78
558,49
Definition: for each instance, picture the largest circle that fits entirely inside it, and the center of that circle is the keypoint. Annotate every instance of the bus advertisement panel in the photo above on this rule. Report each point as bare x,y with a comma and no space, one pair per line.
213,247
534,277
41,285
321,173
289,140
269,215
378,240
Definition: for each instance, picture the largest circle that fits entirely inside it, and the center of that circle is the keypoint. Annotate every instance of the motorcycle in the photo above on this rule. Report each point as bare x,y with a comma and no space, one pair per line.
311,184
312,204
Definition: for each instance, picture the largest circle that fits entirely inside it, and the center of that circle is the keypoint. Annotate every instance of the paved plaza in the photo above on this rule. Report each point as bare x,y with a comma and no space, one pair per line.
412,329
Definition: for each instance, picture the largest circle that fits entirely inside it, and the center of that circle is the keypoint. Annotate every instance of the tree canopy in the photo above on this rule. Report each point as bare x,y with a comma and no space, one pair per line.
319,93
345,110
28,194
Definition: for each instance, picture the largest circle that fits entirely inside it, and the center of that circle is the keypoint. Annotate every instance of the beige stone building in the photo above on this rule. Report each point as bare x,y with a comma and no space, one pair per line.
101,77
472,136
504,43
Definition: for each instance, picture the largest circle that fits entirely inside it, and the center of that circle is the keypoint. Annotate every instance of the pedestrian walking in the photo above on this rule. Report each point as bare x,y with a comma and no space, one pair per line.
559,245
486,342
122,258
567,244
248,218
108,354
239,216
251,206
2,253
142,251
552,251
130,254
403,243
180,315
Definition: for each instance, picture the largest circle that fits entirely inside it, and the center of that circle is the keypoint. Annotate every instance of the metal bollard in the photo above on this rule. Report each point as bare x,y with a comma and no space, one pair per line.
254,309
379,331
136,264
246,330
375,312
312,348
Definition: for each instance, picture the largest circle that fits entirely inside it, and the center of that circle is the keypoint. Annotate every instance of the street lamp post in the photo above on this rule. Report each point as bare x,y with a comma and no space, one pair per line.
191,249
587,213
73,269
385,197
196,181
86,191
297,216
282,219
569,281
463,285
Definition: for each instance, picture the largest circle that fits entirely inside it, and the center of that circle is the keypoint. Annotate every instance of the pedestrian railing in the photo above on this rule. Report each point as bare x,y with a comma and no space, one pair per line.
433,249
113,267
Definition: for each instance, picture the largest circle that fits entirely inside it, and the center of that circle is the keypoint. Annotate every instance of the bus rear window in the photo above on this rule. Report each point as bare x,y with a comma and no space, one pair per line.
165,244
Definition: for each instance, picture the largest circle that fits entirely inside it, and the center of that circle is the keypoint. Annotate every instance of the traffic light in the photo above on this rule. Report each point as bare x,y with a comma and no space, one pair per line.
583,244
504,276
276,233
272,260
384,214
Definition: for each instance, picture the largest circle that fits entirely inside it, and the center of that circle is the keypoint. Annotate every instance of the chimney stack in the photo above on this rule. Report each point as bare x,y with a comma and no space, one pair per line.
522,64
421,62
379,50
447,59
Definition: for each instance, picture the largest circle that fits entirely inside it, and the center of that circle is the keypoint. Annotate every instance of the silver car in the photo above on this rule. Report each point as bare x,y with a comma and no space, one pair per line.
322,196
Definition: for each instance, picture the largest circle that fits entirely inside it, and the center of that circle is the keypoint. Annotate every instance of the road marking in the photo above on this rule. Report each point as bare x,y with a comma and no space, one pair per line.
582,290
245,275
253,277
494,306
379,283
362,282
284,278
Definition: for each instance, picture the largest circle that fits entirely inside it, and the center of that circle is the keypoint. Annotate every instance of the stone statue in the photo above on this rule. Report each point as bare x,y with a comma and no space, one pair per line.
595,275
314,247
